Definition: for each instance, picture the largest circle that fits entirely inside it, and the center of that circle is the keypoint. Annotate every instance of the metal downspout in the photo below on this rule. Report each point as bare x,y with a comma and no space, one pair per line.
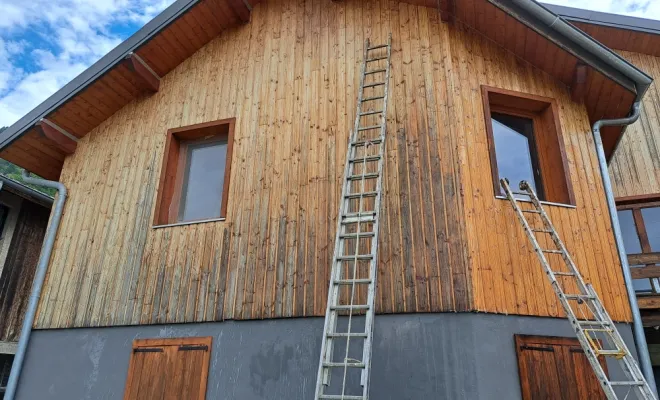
638,328
39,276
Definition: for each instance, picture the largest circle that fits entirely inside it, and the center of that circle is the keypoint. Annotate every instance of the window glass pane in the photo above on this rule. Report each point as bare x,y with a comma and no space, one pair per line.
513,149
201,193
651,218
629,232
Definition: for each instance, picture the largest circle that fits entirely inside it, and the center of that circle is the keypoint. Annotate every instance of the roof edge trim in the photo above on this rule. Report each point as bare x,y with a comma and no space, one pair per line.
578,43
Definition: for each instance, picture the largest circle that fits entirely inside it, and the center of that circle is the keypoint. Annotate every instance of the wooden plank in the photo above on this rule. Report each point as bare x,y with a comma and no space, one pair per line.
645,258
648,302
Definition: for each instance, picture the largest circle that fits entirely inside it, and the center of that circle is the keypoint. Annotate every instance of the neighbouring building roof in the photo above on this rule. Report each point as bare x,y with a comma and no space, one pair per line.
40,141
26,192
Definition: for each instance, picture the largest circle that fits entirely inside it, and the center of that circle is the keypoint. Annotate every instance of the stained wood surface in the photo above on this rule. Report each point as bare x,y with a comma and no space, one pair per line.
20,264
290,79
635,167
168,369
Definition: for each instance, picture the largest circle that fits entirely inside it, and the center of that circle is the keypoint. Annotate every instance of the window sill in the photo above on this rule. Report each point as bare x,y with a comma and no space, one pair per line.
201,221
545,203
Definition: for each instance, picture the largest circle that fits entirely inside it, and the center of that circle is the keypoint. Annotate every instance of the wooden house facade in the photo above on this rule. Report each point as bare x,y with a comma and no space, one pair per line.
276,81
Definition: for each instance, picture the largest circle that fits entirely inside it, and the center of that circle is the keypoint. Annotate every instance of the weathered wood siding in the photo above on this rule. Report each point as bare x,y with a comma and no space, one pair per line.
290,78
20,264
635,167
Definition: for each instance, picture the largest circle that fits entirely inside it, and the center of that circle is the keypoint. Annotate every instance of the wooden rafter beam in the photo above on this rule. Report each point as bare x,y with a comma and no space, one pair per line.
63,140
446,8
579,85
146,76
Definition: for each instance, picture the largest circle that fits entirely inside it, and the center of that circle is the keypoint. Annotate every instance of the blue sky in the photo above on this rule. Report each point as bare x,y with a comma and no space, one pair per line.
46,43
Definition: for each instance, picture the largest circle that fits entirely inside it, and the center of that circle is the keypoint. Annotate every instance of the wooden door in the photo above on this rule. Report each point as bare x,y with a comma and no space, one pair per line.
168,369
553,368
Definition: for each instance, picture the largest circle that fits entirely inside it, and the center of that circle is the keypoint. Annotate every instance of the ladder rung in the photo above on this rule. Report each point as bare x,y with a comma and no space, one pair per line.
341,365
359,214
368,128
365,159
627,383
363,176
593,323
542,230
355,220
362,194
563,273
580,297
353,307
364,142
552,251
376,71
376,59
531,211
347,335
340,397
617,353
352,281
380,46
374,84
372,98
357,235
521,193
371,112
358,257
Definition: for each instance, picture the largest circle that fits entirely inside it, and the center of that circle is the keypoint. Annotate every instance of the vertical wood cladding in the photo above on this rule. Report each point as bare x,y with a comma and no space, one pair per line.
635,167
20,265
290,78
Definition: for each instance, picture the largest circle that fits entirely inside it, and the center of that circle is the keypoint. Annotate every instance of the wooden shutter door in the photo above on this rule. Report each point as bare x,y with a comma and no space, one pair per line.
168,369
553,368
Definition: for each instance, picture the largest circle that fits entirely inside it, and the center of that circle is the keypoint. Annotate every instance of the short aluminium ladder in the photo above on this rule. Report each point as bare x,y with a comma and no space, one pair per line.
592,324
348,329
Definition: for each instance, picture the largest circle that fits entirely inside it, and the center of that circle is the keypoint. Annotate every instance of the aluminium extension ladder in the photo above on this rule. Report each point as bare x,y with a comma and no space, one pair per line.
592,324
347,340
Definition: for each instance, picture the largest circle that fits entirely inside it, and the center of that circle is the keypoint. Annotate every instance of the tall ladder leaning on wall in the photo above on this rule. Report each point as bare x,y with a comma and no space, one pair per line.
593,326
346,343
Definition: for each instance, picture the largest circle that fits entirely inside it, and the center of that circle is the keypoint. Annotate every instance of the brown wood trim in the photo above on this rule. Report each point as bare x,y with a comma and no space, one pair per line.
531,340
644,258
636,200
579,83
641,230
173,165
147,80
648,302
447,9
652,271
63,143
530,106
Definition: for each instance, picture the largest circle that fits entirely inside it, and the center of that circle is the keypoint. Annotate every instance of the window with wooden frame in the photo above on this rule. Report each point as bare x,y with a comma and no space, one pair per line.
194,181
525,143
555,368
639,219
168,369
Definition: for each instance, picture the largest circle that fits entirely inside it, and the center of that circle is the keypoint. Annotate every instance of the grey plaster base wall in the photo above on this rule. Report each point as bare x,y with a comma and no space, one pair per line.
417,356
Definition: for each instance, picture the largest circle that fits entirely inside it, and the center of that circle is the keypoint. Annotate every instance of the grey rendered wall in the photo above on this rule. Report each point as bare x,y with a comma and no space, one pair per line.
416,356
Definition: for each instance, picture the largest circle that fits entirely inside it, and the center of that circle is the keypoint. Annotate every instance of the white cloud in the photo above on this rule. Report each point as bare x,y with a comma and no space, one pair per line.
72,34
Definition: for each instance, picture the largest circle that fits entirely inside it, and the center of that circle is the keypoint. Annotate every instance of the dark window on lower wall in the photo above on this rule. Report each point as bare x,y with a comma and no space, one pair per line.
168,369
5,368
639,220
555,368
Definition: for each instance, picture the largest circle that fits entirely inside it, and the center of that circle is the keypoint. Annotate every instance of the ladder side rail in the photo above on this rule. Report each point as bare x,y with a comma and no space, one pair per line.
376,229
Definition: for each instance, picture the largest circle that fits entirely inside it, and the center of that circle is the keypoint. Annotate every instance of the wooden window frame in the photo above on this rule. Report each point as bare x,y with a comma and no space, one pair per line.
173,167
544,113
647,256
165,342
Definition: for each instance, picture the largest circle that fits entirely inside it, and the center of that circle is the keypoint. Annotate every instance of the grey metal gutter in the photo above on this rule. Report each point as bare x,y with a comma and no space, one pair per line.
38,282
26,191
97,70
568,37
626,22
638,328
